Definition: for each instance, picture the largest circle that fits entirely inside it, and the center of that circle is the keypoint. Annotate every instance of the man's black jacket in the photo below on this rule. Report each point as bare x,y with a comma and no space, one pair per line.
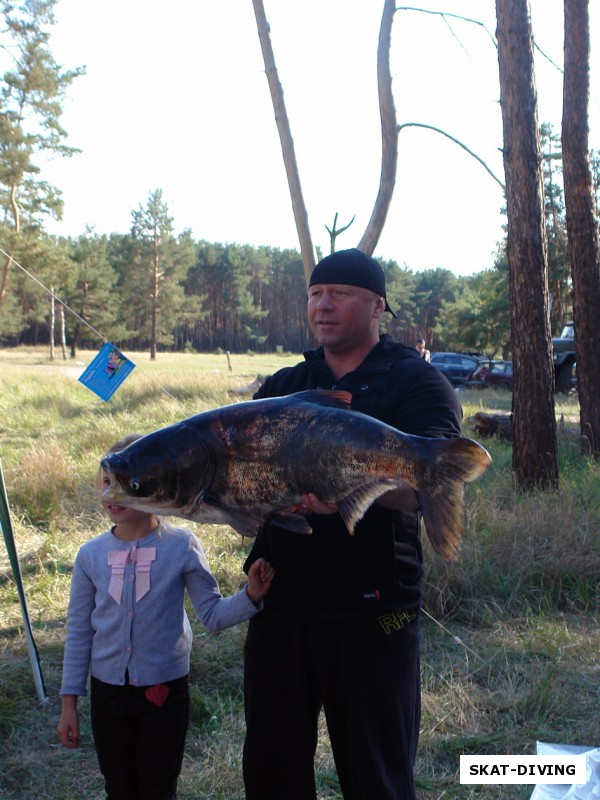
331,574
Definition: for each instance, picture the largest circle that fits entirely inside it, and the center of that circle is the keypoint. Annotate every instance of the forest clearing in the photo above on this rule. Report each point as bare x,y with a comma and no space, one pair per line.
510,637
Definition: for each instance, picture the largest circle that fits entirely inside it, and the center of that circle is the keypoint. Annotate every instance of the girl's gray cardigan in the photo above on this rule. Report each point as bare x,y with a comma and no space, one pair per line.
126,609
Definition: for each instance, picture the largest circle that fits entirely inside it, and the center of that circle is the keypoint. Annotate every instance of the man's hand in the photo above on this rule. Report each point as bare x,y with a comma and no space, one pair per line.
311,504
403,498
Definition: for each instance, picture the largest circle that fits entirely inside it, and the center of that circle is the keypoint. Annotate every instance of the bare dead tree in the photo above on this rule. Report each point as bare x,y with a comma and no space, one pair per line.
389,129
582,225
389,133
389,157
334,231
535,461
287,143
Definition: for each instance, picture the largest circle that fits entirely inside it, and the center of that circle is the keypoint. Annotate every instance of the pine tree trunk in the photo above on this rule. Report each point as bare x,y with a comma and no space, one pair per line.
534,425
52,323
154,311
582,226
63,332
7,264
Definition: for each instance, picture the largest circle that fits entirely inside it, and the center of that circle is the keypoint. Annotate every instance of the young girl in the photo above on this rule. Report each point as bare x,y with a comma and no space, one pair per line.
127,626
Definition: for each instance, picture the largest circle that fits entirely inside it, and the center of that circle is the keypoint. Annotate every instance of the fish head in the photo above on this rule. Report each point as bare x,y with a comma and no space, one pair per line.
165,472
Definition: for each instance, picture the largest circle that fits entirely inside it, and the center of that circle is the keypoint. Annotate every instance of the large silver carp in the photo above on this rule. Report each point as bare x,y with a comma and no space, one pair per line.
249,463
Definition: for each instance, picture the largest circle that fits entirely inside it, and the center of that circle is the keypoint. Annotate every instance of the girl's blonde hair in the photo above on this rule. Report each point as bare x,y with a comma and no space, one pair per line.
123,443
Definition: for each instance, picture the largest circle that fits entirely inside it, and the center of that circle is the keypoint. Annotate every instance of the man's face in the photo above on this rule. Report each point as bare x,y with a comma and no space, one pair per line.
343,317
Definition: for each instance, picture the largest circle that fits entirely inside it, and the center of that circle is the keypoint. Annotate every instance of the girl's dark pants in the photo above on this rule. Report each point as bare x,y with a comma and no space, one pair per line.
364,673
140,745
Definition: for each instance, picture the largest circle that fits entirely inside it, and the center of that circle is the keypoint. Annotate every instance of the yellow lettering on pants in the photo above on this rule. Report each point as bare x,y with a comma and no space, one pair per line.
395,620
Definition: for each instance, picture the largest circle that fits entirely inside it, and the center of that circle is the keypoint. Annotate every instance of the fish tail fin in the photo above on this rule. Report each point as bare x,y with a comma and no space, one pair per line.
442,492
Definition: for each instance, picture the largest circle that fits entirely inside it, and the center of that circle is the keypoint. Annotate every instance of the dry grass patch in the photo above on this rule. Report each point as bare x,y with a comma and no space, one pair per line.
510,658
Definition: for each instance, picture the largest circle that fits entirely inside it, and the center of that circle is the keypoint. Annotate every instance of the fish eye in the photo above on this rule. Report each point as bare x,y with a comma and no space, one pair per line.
134,485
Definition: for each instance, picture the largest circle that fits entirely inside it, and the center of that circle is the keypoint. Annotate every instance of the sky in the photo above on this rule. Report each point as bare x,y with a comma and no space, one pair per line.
176,98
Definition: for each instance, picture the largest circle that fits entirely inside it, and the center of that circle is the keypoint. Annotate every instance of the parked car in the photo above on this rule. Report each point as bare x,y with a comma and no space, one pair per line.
499,375
455,366
476,380
563,347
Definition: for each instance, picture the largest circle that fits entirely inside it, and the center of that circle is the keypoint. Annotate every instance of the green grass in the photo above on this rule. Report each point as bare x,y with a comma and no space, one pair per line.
510,636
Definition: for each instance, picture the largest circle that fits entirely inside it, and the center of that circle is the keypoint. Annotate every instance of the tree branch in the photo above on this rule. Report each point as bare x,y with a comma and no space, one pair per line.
389,134
335,231
445,14
456,141
287,143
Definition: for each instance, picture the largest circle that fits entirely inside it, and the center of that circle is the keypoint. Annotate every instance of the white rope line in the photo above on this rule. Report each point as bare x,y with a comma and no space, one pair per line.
51,293
70,310
457,639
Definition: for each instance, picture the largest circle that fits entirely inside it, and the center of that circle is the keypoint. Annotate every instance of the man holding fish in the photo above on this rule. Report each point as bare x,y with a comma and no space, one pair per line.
332,468
340,627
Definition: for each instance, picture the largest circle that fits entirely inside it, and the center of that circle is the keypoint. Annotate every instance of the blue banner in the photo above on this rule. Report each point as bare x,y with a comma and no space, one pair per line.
107,371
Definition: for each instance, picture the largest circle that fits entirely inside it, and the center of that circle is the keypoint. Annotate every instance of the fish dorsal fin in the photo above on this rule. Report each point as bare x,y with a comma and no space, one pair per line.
354,506
325,397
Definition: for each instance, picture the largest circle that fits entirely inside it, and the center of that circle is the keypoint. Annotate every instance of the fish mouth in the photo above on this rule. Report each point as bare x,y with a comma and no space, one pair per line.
114,497
115,500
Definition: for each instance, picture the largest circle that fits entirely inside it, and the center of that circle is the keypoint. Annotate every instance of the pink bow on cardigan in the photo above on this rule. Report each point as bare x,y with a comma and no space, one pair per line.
142,557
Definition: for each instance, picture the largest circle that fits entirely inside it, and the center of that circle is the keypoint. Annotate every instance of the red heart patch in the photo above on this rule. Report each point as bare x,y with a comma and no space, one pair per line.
157,694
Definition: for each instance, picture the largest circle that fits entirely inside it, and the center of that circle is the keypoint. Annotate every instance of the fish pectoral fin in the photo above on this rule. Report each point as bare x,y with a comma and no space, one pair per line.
208,509
354,506
295,523
243,524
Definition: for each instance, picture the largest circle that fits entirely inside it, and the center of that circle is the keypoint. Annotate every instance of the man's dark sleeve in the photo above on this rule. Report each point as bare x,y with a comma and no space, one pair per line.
429,406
